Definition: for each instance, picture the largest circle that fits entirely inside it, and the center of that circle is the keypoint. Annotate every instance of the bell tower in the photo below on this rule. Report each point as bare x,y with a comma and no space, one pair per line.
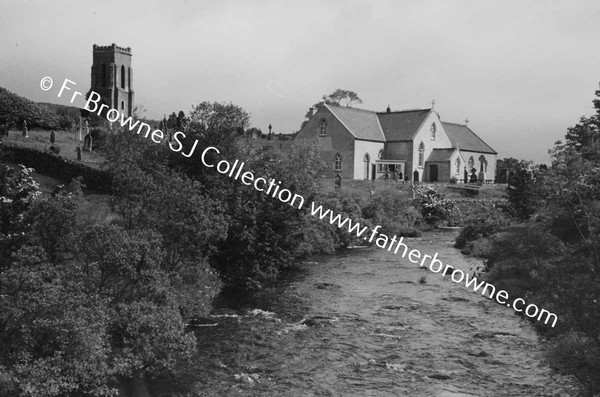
112,77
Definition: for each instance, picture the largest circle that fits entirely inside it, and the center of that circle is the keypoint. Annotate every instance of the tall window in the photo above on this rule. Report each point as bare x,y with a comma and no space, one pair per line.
432,129
471,164
421,154
380,157
104,75
457,165
367,161
323,127
122,76
337,162
122,105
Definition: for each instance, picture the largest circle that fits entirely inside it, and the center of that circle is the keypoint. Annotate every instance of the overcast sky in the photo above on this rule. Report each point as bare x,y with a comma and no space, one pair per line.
520,71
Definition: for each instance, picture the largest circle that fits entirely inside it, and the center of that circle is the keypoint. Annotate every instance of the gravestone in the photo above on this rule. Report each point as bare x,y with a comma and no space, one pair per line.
481,178
338,181
87,142
52,136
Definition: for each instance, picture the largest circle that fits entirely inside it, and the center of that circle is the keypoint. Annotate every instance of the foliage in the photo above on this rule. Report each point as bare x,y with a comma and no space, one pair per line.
60,168
266,235
339,97
394,213
14,109
18,190
523,190
216,123
504,165
434,205
479,220
99,138
579,355
552,258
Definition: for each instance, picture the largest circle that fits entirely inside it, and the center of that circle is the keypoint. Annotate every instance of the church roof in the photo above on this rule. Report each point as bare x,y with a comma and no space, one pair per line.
463,138
363,124
440,155
402,125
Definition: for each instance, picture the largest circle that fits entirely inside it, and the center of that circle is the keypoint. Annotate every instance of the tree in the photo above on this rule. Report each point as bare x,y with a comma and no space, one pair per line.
586,133
341,97
216,123
181,121
338,97
523,190
503,167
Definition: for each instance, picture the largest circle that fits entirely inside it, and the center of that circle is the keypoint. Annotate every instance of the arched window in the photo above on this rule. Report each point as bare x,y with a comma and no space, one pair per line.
482,164
421,154
432,129
471,163
337,162
457,165
323,127
104,75
367,161
122,105
122,76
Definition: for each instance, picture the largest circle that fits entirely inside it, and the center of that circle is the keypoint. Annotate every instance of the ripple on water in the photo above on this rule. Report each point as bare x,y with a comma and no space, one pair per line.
360,324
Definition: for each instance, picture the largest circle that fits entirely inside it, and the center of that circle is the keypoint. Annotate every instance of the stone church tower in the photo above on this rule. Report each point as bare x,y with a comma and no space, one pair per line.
112,77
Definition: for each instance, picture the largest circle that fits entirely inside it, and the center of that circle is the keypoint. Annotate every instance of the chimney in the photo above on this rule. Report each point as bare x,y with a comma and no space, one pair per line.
311,112
388,110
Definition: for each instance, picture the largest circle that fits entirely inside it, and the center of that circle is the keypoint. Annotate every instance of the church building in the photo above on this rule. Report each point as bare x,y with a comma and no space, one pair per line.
112,77
409,145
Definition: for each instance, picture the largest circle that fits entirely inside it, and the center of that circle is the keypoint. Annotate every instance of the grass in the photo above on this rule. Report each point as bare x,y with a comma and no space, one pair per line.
364,188
66,140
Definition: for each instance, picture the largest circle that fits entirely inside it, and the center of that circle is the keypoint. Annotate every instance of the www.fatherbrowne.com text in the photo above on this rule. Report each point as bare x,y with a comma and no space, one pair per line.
274,189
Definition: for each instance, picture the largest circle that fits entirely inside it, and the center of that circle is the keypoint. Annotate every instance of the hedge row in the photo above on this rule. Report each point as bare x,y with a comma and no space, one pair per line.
58,167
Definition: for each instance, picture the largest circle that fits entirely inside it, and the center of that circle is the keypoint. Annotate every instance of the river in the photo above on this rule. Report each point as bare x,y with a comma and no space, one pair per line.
360,323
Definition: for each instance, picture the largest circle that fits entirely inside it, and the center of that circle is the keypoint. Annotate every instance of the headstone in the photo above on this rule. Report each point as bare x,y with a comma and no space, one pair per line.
78,152
338,181
25,129
481,178
87,143
52,136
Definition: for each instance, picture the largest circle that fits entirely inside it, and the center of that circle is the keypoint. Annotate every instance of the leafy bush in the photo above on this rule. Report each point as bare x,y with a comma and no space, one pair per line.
434,205
577,354
396,214
523,194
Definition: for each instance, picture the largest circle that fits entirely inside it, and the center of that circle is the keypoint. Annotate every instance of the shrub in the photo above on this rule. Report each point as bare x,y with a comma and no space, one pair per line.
99,137
393,212
434,205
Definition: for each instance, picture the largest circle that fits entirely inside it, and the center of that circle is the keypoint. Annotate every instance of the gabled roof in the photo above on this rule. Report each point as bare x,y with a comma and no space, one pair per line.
441,155
402,125
463,138
363,124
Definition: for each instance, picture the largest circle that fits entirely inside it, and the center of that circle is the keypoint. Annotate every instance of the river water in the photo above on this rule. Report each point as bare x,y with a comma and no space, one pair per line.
361,324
